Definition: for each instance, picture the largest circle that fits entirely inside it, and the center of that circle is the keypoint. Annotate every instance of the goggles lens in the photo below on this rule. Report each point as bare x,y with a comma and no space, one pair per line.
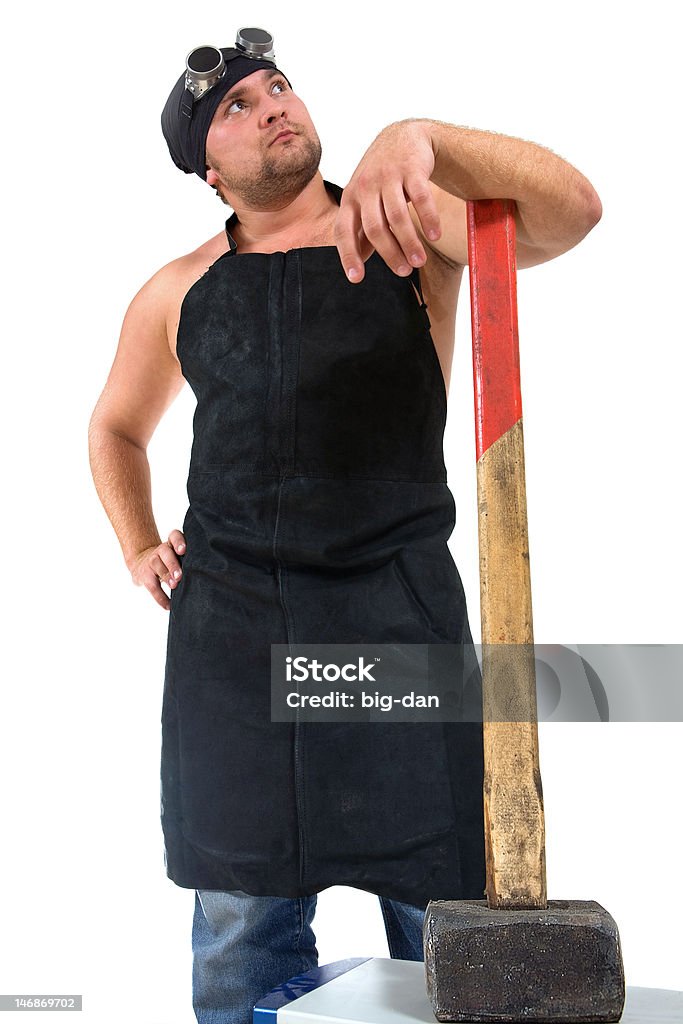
205,60
255,42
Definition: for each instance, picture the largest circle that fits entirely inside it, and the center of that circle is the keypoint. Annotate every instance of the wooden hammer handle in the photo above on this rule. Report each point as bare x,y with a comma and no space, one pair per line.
513,799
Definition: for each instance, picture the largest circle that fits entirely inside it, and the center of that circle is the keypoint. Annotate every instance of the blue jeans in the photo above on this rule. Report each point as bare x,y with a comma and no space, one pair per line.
243,946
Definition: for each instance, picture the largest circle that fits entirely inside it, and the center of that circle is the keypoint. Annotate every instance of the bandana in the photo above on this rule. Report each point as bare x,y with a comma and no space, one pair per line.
185,137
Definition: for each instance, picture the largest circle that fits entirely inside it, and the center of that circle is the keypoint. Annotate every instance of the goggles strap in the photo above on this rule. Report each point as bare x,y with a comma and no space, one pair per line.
187,104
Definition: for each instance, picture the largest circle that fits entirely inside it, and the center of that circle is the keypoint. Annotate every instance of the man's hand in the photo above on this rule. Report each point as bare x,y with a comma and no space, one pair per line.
159,563
373,213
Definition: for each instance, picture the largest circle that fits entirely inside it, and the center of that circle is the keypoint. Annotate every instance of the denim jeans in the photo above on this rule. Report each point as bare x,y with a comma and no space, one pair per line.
243,946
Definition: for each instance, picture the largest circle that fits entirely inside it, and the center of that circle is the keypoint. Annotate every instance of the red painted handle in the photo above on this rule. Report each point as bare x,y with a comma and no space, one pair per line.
493,297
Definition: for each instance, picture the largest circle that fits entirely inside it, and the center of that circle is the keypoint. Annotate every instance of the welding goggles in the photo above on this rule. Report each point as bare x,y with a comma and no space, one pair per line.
206,65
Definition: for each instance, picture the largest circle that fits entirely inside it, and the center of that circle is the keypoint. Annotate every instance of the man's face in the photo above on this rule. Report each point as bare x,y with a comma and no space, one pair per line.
245,161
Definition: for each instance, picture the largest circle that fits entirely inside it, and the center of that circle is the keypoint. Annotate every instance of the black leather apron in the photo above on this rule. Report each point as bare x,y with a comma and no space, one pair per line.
319,512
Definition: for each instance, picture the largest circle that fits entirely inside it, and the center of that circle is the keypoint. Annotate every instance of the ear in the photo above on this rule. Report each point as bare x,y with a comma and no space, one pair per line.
211,177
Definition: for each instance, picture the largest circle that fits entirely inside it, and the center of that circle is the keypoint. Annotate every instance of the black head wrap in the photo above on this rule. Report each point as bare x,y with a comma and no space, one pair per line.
185,137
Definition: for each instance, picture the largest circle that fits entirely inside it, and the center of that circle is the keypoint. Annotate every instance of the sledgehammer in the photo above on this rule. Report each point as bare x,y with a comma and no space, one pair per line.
515,956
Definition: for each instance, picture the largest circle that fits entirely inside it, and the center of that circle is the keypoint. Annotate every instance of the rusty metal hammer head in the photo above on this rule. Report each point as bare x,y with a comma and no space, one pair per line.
561,964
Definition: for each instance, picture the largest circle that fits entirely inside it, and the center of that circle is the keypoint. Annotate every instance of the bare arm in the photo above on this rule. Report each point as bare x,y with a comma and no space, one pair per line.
143,381
409,194
555,204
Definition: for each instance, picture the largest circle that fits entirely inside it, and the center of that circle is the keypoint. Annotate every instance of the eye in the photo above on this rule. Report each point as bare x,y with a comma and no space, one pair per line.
234,104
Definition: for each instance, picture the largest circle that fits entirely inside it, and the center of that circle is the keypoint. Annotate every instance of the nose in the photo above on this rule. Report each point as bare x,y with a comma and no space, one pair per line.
274,109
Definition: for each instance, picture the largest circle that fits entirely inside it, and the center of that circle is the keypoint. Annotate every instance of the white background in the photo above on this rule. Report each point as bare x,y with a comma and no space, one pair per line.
92,207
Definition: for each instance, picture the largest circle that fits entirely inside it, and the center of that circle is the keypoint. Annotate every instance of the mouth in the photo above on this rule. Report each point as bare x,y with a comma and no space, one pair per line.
283,135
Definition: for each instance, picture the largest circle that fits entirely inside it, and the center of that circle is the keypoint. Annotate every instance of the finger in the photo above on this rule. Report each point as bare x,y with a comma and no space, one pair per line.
167,557
157,565
177,541
379,233
401,223
346,230
421,196
365,247
155,589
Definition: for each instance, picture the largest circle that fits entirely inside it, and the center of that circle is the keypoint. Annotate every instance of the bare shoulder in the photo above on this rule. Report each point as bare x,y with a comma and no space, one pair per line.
146,375
167,288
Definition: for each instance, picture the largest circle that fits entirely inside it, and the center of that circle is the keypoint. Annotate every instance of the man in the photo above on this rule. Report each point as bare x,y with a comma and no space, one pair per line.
319,509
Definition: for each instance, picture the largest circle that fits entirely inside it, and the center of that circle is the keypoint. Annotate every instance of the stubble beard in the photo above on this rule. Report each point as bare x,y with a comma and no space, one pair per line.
279,179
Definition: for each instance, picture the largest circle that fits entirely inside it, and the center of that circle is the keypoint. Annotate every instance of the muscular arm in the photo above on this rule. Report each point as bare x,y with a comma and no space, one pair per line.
143,381
556,205
409,194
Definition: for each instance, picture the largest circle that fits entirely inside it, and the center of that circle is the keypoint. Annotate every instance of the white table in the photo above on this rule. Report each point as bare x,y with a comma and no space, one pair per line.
379,990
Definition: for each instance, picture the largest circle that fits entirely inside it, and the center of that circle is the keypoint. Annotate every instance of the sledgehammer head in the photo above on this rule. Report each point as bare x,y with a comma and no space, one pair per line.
562,964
